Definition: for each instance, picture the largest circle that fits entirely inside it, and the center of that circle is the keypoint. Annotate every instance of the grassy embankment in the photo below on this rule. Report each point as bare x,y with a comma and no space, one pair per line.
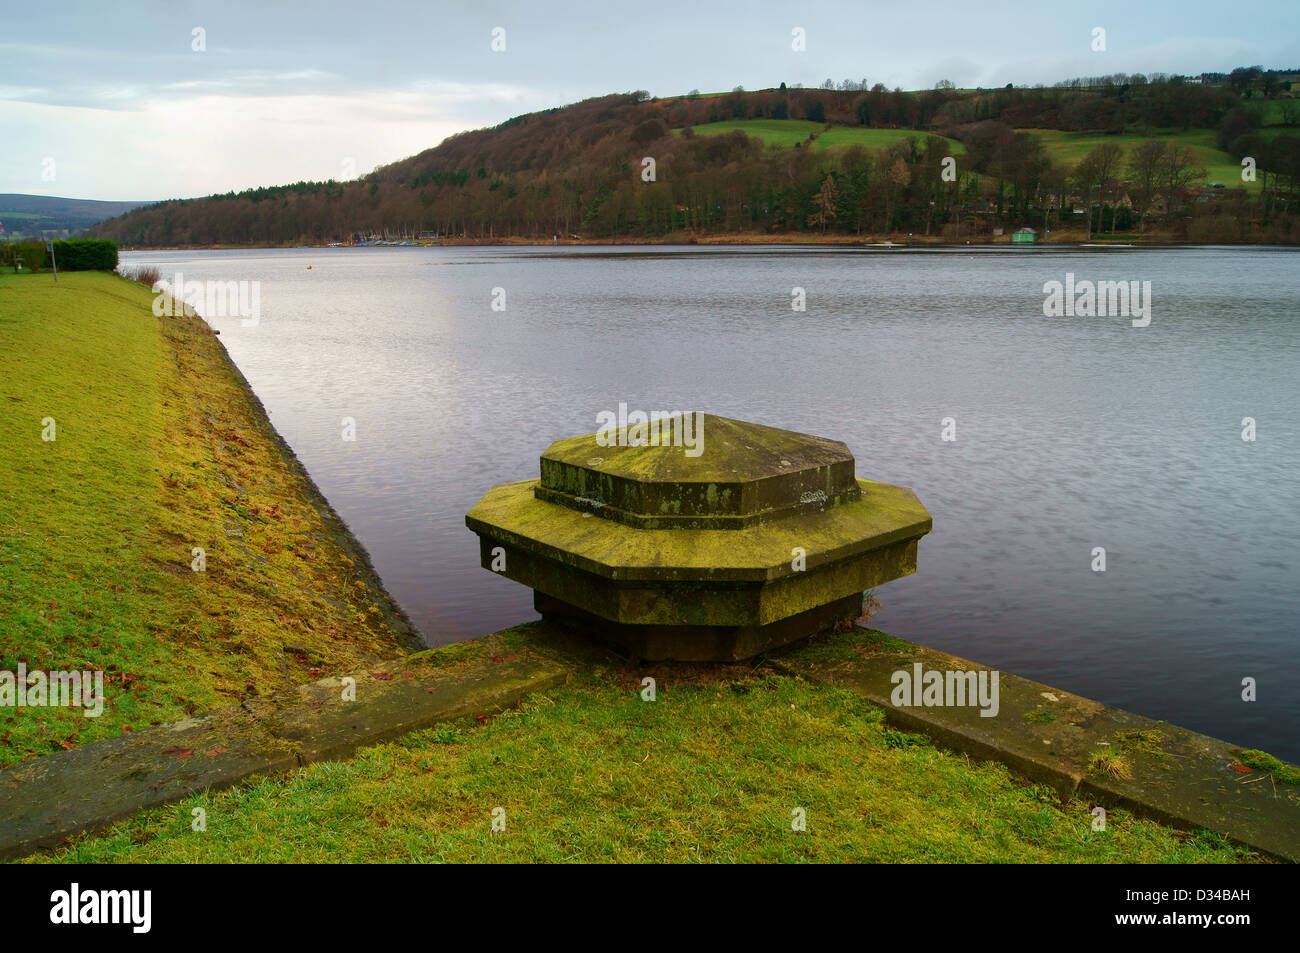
158,449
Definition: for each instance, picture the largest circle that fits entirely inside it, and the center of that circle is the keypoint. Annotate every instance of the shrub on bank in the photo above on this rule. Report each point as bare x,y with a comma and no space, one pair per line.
73,254
86,254
32,254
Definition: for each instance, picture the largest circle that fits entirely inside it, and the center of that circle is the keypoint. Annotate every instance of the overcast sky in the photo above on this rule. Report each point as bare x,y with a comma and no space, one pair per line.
112,101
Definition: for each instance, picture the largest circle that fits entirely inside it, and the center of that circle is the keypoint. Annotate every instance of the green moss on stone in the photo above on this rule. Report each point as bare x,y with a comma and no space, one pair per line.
1263,761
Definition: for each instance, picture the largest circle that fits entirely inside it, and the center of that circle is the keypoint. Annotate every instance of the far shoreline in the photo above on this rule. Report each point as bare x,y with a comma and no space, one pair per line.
1073,240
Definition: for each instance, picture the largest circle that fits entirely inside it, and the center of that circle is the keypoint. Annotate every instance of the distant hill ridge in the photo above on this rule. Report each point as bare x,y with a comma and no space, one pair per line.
631,165
29,216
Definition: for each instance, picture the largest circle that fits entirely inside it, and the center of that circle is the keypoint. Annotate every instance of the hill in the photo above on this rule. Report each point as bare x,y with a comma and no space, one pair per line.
1129,153
30,216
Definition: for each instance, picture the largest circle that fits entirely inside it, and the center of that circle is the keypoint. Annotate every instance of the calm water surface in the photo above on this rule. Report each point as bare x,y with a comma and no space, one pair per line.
1072,433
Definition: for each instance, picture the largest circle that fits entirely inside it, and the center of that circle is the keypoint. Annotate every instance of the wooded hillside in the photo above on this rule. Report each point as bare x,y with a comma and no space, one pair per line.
1154,149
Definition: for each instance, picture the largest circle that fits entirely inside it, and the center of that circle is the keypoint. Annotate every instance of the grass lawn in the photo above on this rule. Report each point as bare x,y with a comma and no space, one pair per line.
157,450
786,132
1070,147
711,771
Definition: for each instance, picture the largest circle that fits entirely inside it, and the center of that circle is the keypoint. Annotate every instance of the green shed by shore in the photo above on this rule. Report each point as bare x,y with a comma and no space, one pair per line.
1023,236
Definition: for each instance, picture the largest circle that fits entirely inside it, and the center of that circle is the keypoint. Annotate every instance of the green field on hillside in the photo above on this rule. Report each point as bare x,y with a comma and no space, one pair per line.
786,132
1065,147
1069,147
1273,112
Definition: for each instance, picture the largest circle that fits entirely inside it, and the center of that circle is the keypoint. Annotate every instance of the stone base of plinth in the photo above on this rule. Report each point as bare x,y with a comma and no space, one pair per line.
701,643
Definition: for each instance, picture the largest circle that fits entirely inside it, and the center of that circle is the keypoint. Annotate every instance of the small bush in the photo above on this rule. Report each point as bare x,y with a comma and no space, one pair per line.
1112,763
32,255
86,254
147,275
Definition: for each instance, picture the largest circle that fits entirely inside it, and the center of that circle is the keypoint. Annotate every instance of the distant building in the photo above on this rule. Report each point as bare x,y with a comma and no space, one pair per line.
1023,236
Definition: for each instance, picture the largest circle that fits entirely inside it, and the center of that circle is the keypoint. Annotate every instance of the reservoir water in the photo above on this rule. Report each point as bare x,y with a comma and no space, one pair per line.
1072,433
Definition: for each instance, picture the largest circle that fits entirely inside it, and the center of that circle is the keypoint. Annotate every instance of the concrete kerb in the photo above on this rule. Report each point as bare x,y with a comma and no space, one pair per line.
1160,771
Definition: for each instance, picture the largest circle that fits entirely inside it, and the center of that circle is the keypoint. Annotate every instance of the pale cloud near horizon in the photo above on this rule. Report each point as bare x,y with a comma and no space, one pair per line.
284,93
225,142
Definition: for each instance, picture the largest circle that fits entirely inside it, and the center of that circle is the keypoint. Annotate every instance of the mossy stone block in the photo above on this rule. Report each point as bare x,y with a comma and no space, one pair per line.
761,528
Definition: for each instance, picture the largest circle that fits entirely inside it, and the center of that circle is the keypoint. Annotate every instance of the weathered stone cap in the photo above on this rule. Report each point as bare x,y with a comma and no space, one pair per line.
697,471
510,515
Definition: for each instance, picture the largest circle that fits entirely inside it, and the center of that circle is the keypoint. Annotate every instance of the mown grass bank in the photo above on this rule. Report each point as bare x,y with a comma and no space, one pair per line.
158,448
711,771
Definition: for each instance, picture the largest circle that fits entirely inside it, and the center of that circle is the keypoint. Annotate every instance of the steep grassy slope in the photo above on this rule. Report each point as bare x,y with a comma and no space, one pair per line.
158,448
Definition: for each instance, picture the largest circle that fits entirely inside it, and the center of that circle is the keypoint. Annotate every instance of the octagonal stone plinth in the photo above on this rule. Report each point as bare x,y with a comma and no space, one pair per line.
709,539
